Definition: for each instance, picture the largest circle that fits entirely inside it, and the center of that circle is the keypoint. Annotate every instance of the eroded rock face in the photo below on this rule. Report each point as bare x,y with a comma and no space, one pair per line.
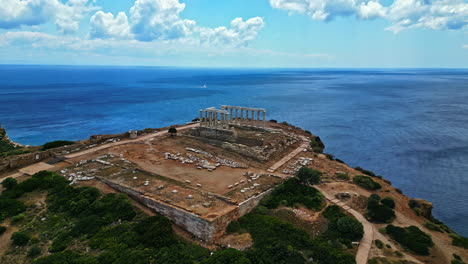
422,207
4,137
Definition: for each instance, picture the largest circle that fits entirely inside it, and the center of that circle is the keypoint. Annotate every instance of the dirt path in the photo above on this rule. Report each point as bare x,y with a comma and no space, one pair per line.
142,138
5,241
291,155
365,244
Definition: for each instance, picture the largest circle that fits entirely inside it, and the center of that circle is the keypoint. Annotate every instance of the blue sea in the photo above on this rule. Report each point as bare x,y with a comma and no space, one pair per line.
409,125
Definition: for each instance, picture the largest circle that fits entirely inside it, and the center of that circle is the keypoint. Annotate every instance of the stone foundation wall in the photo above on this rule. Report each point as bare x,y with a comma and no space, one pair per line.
223,136
201,228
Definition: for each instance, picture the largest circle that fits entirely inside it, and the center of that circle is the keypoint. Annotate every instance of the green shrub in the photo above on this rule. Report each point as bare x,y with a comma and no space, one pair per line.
9,183
34,252
379,243
350,228
307,132
459,241
18,218
366,182
378,212
432,226
10,207
340,161
398,254
20,238
367,172
333,213
56,144
67,257
234,227
292,192
60,243
228,256
308,175
342,176
388,201
317,145
412,238
155,232
398,190
2,230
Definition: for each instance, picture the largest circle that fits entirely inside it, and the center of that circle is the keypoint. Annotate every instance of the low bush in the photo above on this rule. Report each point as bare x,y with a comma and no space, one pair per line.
366,182
18,218
60,243
340,161
459,241
342,176
9,183
292,192
20,238
432,226
367,172
412,238
317,145
2,230
10,207
308,175
350,228
388,201
379,243
56,144
398,190
333,213
273,121
228,256
34,252
377,211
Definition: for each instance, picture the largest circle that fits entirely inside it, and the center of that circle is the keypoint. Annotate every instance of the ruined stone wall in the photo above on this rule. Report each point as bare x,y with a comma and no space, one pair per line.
18,161
202,228
192,223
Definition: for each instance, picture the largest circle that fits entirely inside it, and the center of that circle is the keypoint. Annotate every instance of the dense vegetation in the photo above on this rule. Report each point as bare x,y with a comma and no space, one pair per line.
56,144
308,175
291,193
380,210
412,238
317,145
342,227
459,241
84,217
366,182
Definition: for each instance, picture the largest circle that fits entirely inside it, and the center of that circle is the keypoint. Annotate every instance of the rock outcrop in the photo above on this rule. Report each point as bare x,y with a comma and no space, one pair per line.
422,207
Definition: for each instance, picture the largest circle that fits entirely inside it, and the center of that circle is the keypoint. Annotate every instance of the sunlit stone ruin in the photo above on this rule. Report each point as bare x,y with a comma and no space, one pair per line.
228,116
211,173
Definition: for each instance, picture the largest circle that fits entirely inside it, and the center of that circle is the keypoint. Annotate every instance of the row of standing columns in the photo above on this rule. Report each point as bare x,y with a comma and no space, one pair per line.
214,118
238,115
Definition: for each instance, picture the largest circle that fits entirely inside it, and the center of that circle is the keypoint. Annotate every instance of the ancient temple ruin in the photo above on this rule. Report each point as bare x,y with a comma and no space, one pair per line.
227,116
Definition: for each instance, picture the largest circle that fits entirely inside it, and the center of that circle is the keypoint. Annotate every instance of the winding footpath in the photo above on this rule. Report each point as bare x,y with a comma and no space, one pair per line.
365,244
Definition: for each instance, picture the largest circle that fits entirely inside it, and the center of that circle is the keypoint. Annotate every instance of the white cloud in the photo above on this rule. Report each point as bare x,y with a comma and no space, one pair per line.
437,15
105,25
159,20
403,14
239,34
17,13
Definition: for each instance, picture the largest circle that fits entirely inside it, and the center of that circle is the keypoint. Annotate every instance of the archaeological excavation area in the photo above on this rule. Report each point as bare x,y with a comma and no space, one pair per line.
204,176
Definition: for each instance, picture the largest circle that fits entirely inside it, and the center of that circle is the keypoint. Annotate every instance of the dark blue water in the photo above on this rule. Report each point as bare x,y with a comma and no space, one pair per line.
411,126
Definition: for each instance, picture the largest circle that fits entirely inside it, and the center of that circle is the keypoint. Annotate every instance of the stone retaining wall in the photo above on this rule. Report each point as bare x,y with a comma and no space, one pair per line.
204,229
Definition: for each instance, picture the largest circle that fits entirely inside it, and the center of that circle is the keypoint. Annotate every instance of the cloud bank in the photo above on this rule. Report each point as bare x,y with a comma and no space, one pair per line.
403,14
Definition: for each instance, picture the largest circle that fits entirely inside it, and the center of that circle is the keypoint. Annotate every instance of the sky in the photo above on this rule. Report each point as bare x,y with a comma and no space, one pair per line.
236,33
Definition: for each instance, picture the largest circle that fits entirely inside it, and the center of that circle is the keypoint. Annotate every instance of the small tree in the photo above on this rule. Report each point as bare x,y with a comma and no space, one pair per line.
9,183
172,131
308,176
20,238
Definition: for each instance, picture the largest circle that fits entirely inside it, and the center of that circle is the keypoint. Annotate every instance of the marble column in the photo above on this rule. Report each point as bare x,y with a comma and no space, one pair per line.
201,117
264,117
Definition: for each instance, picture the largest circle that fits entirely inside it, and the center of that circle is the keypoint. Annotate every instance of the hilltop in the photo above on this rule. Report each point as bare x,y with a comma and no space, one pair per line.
269,195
